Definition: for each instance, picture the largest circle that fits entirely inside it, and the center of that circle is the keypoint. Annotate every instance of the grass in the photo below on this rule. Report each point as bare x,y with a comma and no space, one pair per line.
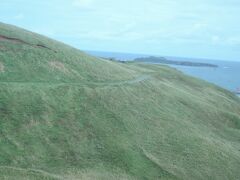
81,117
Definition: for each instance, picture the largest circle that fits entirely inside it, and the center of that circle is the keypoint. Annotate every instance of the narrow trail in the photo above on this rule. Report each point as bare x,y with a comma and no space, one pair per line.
117,83
132,81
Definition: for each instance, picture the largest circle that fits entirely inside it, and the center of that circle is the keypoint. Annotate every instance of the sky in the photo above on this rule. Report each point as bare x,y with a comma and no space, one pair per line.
184,28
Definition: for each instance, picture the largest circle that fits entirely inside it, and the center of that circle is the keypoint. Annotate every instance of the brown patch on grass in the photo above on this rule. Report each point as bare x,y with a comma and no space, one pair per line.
16,41
2,48
1,67
58,66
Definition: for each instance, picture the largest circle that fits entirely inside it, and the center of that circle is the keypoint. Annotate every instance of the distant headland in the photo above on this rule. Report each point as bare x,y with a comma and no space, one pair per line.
163,60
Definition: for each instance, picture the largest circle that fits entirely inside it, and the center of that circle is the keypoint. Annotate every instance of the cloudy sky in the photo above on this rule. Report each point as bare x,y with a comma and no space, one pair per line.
186,28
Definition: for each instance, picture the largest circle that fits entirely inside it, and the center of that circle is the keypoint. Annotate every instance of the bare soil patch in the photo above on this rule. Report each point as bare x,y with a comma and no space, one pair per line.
58,66
16,40
2,48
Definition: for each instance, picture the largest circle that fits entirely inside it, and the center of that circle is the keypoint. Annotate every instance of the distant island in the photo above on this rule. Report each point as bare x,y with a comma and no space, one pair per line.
163,60
237,91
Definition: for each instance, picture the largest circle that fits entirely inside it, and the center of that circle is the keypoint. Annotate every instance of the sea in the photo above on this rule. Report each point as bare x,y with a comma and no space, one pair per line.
226,75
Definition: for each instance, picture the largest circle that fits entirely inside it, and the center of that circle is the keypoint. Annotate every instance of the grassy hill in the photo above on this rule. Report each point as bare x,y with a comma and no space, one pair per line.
67,115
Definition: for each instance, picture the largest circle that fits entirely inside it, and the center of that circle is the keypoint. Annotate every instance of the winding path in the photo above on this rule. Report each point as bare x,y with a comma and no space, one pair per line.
138,79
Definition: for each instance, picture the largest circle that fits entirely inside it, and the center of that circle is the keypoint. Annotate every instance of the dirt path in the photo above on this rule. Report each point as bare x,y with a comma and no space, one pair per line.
136,80
132,81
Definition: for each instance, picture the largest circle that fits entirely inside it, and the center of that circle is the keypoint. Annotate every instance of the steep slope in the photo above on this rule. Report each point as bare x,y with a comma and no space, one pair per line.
36,58
67,115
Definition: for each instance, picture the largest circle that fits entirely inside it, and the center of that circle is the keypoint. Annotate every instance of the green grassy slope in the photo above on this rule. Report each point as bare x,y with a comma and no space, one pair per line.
67,115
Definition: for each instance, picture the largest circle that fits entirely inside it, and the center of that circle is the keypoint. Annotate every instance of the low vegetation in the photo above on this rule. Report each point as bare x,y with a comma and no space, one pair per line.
67,115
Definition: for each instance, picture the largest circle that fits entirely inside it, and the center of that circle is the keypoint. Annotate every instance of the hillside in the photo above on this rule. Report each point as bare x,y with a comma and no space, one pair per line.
67,115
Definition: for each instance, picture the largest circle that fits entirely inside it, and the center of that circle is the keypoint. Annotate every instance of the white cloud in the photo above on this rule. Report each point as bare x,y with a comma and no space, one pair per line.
153,25
19,16
82,3
233,40
44,31
199,26
215,40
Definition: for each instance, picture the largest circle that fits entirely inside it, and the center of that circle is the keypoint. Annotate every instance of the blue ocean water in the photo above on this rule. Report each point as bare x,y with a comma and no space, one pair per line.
227,75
